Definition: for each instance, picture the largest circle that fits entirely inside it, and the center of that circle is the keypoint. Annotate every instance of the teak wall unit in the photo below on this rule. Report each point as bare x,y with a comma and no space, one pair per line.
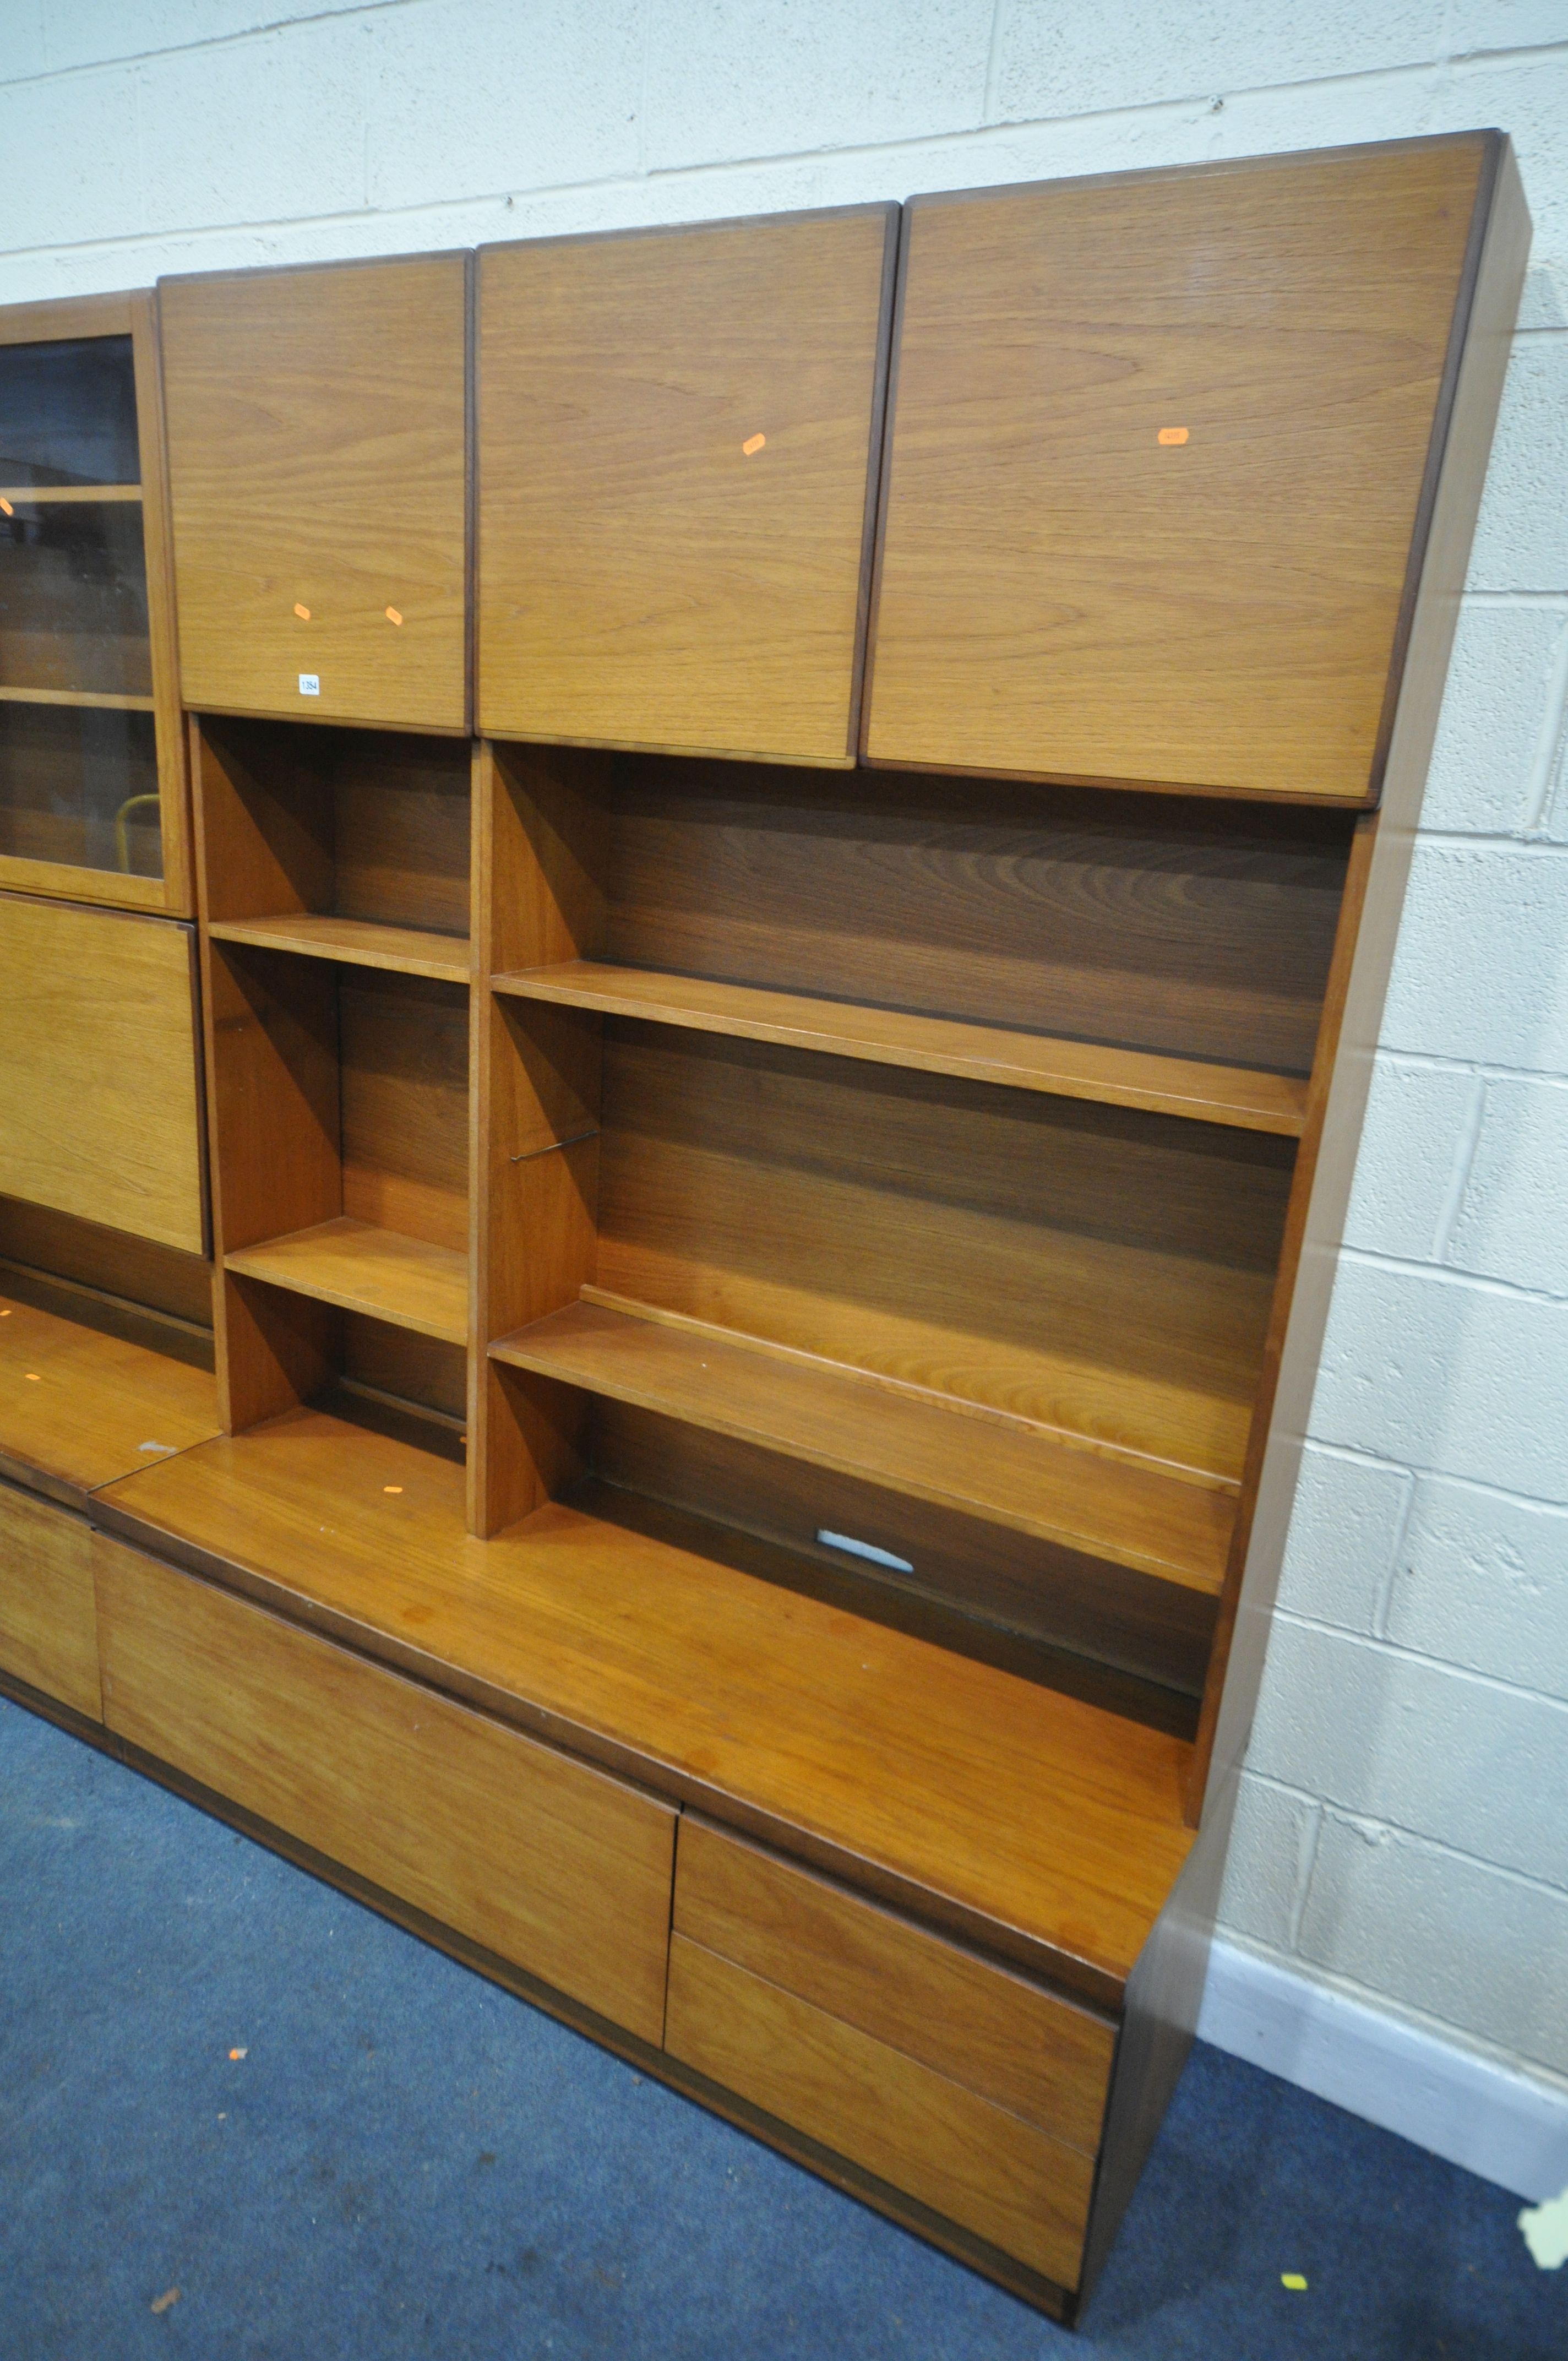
767,1300
93,792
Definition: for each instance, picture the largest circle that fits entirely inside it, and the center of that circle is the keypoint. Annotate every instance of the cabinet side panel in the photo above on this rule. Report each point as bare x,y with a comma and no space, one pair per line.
1341,1075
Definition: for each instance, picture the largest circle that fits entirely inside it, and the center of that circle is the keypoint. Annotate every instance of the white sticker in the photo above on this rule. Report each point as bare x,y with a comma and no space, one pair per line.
310,684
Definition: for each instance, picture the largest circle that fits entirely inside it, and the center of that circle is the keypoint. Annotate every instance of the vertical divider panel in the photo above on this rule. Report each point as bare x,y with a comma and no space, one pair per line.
538,867
269,1024
173,785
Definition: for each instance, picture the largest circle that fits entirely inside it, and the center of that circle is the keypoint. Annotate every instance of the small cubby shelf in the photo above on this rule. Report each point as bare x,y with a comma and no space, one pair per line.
353,942
1051,1488
407,1281
1250,1099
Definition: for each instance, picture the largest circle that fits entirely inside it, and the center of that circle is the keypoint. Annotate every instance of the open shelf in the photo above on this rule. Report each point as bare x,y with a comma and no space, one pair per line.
937,1045
85,1400
1048,1828
1001,1470
359,1268
106,700
94,492
353,942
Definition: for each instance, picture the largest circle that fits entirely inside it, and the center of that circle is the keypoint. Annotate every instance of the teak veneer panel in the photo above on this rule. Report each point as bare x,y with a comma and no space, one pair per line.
81,1404
644,578
1146,923
361,1269
1099,1272
550,1863
317,453
354,942
1136,1516
1044,1828
1022,2048
998,2175
98,1065
1065,589
49,1623
935,1045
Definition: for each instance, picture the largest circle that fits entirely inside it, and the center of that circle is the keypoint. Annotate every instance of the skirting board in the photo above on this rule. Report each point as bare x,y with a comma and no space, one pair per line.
1504,2126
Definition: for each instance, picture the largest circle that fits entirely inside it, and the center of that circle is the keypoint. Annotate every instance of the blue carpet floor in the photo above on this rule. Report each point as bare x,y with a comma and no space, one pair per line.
405,2161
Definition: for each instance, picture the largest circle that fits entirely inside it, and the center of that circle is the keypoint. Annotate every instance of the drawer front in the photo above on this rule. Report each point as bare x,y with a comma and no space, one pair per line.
982,2167
559,1868
996,2033
49,1623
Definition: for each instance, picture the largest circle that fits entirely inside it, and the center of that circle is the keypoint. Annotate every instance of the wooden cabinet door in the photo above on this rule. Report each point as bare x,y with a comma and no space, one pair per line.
318,459
676,430
1152,511
98,1056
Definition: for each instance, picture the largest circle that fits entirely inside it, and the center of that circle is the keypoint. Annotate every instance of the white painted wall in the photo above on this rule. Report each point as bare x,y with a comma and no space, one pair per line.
1404,1831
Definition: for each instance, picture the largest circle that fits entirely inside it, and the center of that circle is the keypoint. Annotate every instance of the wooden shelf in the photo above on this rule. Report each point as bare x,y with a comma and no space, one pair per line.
355,942
361,1268
107,700
938,1045
1047,1829
1130,1513
81,1404
80,492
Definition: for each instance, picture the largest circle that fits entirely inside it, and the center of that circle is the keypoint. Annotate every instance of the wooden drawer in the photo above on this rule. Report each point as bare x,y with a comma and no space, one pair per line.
49,1624
555,1866
965,2085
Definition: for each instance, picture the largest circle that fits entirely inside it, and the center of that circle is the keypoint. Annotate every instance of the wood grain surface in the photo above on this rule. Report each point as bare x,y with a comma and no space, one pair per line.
403,1043
84,1400
1099,1272
676,430
354,942
48,1621
997,2175
1144,922
1135,1515
546,1860
317,460
1043,1828
934,1045
1065,589
98,1066
1133,1642
361,1269
1013,2043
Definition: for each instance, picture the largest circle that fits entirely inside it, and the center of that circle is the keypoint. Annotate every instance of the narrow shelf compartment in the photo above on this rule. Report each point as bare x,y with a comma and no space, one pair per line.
1042,1827
358,1267
106,700
1004,1472
937,1045
94,492
353,942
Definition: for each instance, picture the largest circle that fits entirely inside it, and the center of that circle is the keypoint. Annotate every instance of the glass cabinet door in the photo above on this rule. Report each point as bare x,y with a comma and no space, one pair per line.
90,756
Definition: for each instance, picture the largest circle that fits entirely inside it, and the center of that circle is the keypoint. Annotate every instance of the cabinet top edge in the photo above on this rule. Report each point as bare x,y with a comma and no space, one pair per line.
888,208
182,278
1489,140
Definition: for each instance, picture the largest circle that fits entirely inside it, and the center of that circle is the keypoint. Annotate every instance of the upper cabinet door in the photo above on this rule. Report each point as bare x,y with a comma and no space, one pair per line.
318,466
676,432
92,803
1152,511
